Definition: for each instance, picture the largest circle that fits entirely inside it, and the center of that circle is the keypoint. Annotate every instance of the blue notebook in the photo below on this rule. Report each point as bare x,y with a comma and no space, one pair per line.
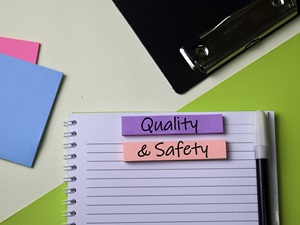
27,94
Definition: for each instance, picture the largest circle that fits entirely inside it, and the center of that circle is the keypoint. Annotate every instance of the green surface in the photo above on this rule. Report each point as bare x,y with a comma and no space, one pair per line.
271,83
47,210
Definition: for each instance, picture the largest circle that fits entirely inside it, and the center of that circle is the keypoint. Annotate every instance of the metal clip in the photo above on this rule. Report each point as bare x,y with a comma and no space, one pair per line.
236,33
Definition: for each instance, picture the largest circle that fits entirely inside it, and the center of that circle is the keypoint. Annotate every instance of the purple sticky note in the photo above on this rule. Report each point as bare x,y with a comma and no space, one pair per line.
172,124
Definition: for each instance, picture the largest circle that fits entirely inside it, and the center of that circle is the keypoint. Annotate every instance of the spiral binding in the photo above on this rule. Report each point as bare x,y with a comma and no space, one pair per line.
70,145
69,190
69,202
70,123
70,167
70,156
70,134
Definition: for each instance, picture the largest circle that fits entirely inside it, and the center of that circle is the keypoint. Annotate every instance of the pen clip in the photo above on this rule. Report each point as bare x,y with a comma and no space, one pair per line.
236,33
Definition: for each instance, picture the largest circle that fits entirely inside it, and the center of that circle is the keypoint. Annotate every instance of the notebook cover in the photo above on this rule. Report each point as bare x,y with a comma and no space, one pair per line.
28,92
164,26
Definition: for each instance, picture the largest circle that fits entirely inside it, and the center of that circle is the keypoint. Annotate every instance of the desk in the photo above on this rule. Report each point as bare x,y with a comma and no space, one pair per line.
106,69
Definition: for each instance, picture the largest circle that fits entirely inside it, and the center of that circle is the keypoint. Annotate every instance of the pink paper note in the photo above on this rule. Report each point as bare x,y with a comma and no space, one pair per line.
174,150
25,50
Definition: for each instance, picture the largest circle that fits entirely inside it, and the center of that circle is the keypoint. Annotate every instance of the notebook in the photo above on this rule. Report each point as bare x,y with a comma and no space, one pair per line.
28,93
25,50
104,189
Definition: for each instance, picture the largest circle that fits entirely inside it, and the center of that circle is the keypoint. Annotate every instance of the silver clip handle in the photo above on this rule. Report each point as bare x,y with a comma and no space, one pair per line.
236,33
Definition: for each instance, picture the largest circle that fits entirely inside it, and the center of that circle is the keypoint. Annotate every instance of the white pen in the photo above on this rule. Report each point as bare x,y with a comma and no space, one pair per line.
261,154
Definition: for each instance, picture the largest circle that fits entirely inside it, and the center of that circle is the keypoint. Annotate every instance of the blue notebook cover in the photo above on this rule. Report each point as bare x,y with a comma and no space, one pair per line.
27,94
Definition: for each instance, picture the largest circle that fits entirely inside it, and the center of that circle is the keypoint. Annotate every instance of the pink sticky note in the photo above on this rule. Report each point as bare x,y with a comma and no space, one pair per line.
25,50
174,150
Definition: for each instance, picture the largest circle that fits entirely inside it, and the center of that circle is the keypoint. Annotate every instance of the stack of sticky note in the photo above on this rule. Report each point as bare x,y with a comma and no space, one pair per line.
28,92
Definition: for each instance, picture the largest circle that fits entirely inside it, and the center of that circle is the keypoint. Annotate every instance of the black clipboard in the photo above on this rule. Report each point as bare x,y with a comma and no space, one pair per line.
163,26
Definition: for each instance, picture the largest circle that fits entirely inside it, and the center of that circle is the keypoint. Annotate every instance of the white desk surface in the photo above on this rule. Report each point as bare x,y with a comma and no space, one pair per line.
106,68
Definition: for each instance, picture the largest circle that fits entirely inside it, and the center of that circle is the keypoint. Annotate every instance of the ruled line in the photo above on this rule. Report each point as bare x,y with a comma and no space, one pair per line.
171,186
173,222
121,161
186,195
164,178
175,204
116,143
166,213
193,169
105,143
173,169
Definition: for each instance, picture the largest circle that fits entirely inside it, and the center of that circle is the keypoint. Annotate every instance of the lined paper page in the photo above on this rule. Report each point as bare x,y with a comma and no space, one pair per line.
111,191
